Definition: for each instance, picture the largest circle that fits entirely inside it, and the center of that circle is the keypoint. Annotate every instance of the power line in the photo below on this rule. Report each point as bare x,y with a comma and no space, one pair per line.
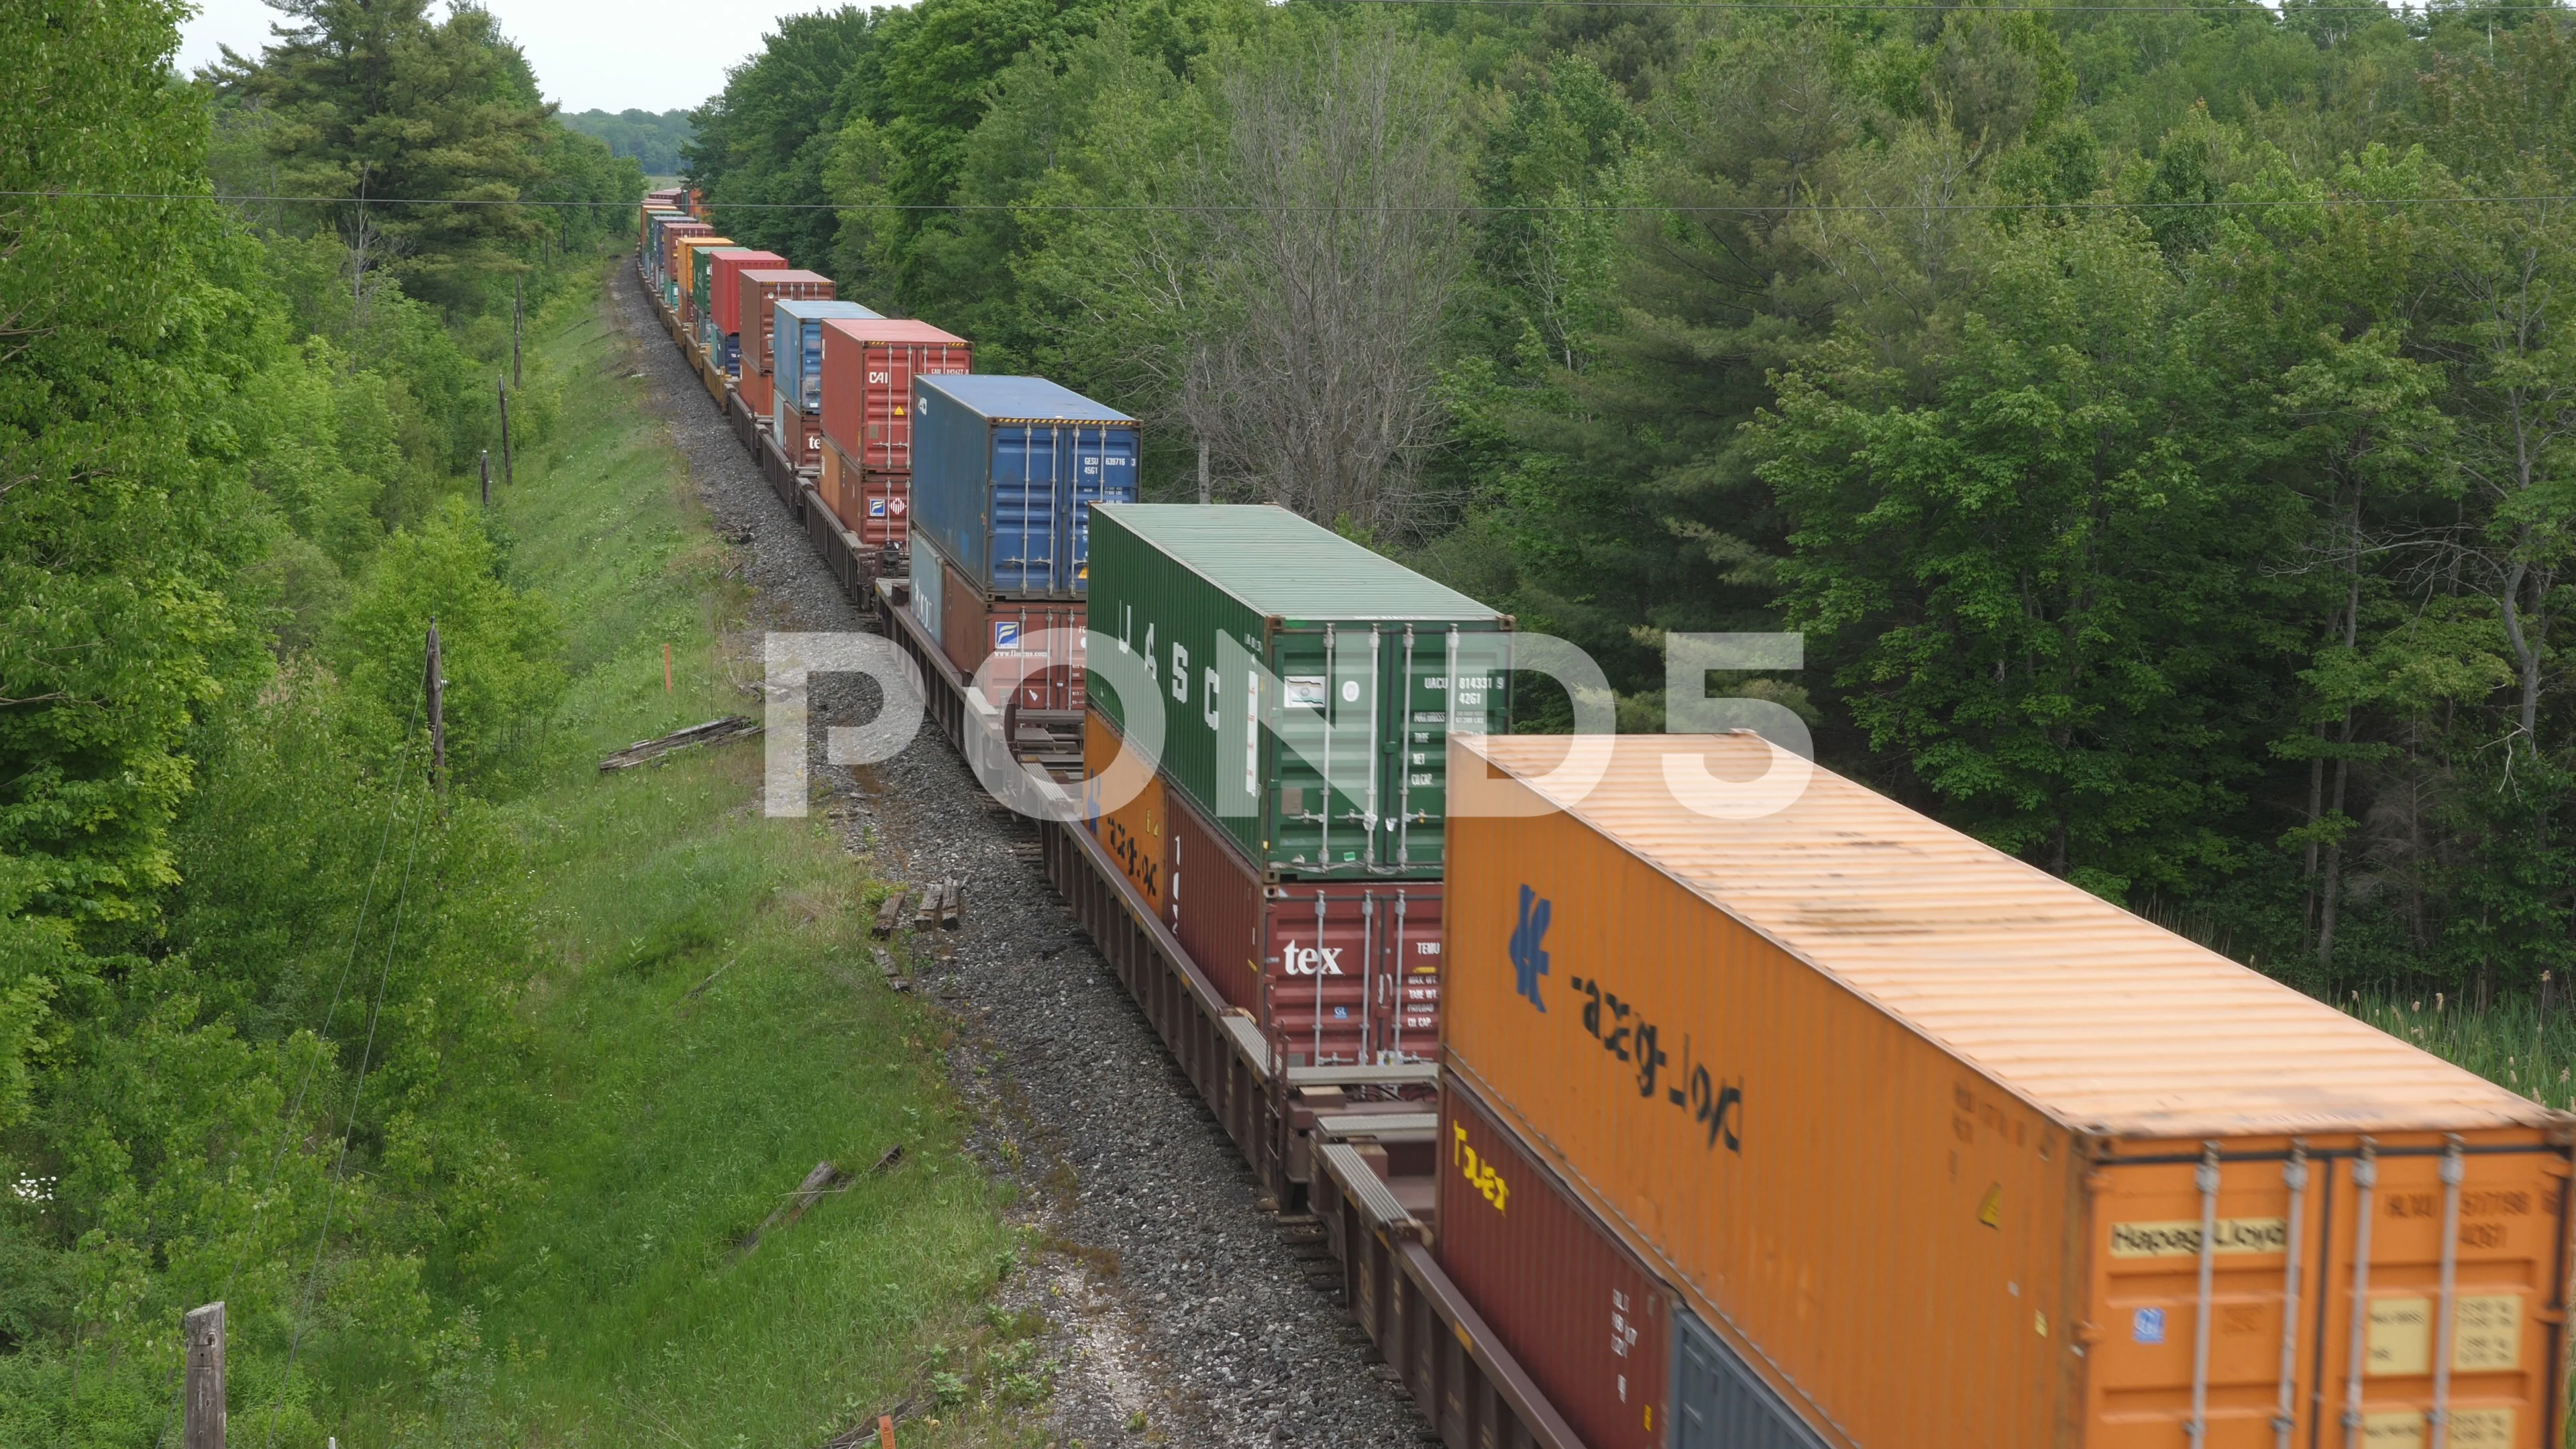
1744,208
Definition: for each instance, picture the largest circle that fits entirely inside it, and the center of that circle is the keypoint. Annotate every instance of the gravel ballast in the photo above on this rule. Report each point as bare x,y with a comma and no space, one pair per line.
1169,1289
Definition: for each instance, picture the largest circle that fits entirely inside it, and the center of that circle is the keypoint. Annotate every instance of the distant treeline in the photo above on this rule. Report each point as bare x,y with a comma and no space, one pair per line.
653,141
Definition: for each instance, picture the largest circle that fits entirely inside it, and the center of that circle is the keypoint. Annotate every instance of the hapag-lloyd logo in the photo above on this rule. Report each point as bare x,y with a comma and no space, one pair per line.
1529,945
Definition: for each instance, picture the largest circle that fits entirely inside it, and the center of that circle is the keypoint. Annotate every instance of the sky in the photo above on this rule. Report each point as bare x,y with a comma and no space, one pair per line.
654,55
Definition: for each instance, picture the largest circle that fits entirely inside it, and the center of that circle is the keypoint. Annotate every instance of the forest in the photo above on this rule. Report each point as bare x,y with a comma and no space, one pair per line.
653,140
2155,417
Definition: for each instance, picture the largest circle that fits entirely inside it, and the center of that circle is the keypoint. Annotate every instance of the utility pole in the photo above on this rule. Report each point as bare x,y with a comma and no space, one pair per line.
202,1408
1203,476
436,688
509,479
518,309
487,477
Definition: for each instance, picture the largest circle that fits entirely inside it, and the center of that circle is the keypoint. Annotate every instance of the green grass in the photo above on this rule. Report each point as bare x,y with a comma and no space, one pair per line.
613,1306
2510,1043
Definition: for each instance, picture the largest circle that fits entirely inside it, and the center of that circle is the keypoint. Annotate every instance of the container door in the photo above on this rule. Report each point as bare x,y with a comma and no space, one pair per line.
809,370
1023,529
1718,1401
1103,471
1404,985
2417,1283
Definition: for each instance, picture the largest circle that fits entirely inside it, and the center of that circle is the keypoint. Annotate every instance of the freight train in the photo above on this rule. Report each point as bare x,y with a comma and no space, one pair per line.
1634,1119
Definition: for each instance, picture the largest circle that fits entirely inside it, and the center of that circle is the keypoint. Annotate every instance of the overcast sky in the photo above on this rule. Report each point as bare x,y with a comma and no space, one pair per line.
654,55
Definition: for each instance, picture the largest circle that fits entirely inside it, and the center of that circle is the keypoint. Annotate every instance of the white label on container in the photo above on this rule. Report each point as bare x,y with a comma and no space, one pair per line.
1304,691
2486,1334
2181,1239
2401,1336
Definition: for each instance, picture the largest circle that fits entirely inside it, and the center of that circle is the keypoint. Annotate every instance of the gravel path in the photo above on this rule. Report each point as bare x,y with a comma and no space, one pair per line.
1170,1292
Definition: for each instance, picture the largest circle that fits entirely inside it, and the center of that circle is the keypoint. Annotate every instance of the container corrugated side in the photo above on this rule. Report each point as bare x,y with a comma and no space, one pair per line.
875,506
1917,1129
868,368
1132,833
1588,1323
1005,473
762,290
1040,642
1366,664
799,365
724,294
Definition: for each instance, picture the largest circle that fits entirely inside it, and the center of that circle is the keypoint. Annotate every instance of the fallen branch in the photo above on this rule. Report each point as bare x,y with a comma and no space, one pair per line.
714,731
809,1192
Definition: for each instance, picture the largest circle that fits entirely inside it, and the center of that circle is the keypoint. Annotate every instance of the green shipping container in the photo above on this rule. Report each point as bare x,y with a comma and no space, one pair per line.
1353,666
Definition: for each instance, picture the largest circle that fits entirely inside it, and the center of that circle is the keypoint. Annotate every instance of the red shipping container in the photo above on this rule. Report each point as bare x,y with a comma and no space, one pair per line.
671,237
1045,667
800,434
1589,1325
868,367
1336,972
875,506
760,287
722,305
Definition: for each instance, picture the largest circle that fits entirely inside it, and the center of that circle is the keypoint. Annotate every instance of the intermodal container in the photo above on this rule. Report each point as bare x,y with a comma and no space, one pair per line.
1006,471
667,264
798,380
1132,832
1944,1150
1325,753
762,291
875,506
1038,641
1335,972
1588,1323
703,316
868,368
684,272
723,302
648,246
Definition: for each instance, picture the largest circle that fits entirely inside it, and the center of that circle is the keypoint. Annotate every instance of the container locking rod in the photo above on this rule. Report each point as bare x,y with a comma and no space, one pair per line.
2365,1176
2294,1173
2206,1179
2454,1167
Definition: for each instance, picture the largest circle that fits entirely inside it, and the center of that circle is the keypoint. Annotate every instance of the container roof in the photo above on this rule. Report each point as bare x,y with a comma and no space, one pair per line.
2104,1021
873,328
811,308
1281,565
783,274
1019,399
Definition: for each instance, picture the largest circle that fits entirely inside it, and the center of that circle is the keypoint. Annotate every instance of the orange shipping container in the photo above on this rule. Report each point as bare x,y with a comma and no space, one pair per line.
1950,1152
1134,833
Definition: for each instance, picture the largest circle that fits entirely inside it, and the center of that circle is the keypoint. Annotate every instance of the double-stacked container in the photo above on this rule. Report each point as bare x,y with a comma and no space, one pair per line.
682,286
762,291
1920,1145
1306,688
701,314
797,382
1006,472
868,368
722,327
668,263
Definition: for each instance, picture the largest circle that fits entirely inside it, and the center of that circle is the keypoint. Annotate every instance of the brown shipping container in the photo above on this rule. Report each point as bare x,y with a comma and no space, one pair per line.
1133,833
1044,635
875,506
723,301
1927,1137
794,425
761,288
868,367
1335,972
1585,1319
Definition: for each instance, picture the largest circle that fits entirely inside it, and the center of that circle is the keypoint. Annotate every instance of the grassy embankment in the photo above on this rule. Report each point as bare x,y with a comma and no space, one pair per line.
706,1035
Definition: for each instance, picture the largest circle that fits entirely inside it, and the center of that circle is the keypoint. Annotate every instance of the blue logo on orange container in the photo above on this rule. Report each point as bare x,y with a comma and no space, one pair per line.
1529,945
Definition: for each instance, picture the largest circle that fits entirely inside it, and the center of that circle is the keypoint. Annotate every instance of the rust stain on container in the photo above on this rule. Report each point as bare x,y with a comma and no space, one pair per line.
1919,1129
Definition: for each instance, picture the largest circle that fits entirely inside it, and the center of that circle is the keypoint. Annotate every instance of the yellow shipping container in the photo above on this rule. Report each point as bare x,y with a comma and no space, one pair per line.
1953,1153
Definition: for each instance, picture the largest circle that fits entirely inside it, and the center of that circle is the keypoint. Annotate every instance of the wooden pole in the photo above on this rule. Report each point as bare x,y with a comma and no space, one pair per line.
1203,471
487,477
518,310
509,479
202,1411
437,693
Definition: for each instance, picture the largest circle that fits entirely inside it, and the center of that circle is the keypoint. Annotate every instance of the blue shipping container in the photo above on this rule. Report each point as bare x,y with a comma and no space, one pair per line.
796,369
1004,473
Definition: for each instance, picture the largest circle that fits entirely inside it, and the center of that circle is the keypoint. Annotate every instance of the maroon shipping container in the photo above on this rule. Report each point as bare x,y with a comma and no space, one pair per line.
875,506
974,627
868,367
800,434
1336,972
1585,1319
762,286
